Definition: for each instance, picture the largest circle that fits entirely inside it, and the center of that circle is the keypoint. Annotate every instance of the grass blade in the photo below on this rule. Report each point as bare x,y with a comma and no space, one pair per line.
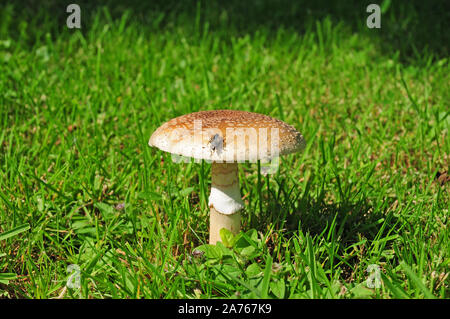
417,282
6,277
266,279
15,231
396,291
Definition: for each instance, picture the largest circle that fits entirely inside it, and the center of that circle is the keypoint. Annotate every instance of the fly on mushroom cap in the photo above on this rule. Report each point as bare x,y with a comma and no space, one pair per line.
226,137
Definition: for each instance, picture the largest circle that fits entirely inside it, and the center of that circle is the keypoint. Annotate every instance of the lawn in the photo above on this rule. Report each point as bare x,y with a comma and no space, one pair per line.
362,212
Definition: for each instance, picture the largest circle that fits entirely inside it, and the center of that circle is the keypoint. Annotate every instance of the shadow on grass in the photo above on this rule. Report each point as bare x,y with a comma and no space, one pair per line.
352,220
408,28
348,220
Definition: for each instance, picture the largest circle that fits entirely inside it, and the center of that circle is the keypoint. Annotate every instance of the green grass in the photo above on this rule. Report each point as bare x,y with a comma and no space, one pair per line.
79,185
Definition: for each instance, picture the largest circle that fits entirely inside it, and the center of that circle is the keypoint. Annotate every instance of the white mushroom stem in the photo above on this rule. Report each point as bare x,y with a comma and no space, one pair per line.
225,200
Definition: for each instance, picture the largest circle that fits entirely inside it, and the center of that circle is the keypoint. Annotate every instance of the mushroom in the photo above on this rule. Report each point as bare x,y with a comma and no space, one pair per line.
226,138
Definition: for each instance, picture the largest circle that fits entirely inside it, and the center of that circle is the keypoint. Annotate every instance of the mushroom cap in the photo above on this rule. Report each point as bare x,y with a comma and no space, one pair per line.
227,136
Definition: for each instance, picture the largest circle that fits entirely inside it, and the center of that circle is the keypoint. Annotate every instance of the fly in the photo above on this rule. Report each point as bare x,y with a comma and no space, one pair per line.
217,143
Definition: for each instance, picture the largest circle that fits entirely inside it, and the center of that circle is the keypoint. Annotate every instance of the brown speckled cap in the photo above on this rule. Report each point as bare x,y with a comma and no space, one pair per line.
227,136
